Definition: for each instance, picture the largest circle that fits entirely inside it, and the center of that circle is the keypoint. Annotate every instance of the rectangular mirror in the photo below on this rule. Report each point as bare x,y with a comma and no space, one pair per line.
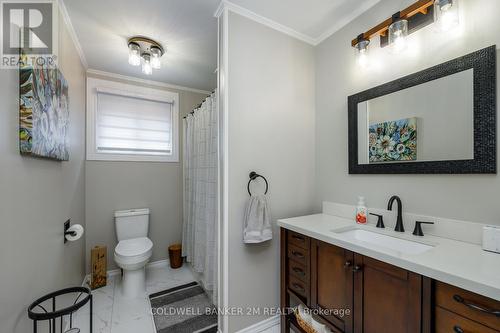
440,120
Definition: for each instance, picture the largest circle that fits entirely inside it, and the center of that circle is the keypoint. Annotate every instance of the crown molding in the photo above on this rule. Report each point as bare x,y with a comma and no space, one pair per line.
144,81
345,21
226,4
262,20
220,9
72,33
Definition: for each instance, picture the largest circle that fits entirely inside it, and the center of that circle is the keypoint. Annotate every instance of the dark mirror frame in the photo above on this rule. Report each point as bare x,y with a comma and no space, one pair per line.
483,62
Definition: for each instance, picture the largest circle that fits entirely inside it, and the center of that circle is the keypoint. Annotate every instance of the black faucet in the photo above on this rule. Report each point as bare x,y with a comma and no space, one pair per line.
399,221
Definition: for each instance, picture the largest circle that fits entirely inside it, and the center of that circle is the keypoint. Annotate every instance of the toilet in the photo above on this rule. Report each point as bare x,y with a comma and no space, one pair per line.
134,249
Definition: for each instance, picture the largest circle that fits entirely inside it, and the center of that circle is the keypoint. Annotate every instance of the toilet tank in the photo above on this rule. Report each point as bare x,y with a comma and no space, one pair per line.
132,223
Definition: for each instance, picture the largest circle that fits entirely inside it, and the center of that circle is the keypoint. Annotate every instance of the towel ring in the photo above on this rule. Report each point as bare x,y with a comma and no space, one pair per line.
254,175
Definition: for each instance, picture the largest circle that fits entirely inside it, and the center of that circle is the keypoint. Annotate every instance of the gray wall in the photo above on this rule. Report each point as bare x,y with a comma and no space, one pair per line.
114,186
36,197
271,131
464,197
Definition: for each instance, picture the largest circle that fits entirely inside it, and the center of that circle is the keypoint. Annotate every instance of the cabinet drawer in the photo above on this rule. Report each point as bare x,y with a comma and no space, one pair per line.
298,271
298,254
449,322
297,286
469,305
299,240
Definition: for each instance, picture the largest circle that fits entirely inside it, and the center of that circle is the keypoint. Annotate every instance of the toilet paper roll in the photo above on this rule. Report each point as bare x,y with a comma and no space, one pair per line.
77,229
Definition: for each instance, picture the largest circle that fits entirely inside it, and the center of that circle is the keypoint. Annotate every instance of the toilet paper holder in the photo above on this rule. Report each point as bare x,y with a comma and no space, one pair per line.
69,232
67,224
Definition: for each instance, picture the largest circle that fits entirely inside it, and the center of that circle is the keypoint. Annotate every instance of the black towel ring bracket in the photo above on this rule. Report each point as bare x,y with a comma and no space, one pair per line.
254,175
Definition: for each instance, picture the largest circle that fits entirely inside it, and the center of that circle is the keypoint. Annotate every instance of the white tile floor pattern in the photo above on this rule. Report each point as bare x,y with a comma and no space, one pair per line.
115,314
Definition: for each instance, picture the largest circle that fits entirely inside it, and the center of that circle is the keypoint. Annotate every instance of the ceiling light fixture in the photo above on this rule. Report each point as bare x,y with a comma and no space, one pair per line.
147,51
134,54
146,64
155,57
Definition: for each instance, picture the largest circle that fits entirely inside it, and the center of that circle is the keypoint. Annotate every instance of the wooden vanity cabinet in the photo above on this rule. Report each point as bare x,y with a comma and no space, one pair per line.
461,311
381,297
387,298
377,297
332,283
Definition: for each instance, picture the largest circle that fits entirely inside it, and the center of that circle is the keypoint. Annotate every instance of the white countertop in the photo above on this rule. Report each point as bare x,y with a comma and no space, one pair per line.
458,263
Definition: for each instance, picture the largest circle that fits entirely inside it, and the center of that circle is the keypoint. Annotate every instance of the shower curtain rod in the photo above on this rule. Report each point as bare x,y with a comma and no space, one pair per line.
199,105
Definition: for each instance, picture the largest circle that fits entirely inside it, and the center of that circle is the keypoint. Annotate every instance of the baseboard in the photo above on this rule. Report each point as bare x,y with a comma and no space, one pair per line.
262,326
114,272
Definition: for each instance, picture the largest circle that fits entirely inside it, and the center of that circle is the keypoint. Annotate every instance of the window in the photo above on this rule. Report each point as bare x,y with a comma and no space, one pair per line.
131,123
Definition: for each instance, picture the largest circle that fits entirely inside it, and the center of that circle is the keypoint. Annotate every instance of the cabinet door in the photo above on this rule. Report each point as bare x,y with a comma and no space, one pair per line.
386,296
332,284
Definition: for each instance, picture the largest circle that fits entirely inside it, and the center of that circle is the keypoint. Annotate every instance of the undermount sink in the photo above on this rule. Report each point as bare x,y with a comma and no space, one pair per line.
380,240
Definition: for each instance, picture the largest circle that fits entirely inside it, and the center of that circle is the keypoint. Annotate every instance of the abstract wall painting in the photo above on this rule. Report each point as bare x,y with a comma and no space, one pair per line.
43,112
393,141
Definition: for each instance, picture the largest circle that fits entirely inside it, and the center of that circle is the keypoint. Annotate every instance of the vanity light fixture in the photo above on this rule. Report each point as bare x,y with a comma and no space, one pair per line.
362,50
146,51
398,32
446,14
394,30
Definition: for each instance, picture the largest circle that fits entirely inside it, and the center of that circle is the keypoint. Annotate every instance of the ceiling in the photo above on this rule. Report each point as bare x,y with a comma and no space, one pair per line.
188,30
315,19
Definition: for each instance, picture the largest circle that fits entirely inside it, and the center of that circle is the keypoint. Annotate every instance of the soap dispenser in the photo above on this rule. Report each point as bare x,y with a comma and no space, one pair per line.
361,211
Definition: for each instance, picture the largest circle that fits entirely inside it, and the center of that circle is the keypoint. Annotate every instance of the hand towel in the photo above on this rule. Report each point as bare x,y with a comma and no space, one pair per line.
257,228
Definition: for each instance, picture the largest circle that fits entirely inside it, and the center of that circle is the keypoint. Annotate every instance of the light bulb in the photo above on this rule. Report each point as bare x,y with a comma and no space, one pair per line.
146,64
361,48
398,31
155,57
134,54
446,14
399,43
363,59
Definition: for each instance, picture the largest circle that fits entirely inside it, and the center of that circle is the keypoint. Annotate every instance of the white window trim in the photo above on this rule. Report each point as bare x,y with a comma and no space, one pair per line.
95,85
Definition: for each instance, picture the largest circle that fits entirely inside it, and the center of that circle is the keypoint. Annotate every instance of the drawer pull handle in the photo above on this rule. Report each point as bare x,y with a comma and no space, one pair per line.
298,238
348,264
458,329
357,268
299,271
476,307
298,287
297,254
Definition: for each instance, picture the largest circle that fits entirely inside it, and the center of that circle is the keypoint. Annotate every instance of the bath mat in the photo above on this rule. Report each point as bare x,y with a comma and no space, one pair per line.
183,309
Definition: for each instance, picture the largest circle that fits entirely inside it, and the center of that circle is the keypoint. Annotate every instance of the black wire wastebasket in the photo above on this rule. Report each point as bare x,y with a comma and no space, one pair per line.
38,312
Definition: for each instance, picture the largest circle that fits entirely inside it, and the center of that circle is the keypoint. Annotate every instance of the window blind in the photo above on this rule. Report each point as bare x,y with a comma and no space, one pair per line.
131,125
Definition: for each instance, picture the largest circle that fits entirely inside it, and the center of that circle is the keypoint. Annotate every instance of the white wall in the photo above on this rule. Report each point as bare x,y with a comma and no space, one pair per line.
271,131
36,197
464,197
114,186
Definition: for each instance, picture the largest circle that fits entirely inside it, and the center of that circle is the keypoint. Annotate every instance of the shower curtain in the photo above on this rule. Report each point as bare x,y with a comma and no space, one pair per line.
200,166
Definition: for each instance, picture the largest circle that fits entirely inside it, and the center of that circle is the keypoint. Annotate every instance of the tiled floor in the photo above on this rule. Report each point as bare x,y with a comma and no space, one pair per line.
115,314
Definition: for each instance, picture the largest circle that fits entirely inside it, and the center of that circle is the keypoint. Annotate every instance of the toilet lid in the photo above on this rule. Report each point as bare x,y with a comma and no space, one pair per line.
133,247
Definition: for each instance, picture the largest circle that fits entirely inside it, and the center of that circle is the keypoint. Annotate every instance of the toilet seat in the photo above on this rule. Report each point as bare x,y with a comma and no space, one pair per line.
135,250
